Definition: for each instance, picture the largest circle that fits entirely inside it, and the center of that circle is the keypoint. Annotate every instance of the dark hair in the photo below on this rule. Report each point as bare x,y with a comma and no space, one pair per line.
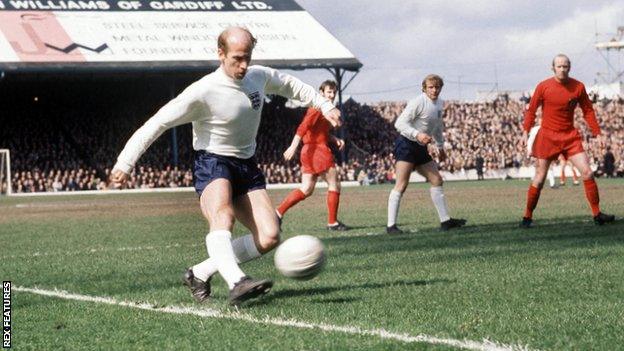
328,83
222,42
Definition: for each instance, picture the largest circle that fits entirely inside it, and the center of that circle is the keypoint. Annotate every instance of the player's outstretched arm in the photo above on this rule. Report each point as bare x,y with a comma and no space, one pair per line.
290,87
185,108
333,116
292,149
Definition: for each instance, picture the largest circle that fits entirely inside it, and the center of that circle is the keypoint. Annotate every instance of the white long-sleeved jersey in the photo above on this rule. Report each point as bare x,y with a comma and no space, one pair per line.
225,113
422,115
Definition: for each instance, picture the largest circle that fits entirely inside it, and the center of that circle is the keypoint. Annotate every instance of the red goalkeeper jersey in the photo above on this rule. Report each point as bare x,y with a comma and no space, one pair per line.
558,101
314,129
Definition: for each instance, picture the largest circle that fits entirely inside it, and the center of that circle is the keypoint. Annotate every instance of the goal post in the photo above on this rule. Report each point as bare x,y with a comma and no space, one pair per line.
5,172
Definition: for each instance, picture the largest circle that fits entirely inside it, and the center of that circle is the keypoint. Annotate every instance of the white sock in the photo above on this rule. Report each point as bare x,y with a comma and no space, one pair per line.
437,196
219,245
551,178
244,250
394,200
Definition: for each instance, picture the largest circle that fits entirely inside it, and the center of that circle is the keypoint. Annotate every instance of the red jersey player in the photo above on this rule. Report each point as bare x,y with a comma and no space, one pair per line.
316,160
558,97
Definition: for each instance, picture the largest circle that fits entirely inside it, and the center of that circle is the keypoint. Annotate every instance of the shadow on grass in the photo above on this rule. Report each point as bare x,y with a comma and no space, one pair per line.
564,232
324,290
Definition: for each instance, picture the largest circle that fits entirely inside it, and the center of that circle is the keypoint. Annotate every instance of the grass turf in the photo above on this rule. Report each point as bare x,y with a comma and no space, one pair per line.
555,286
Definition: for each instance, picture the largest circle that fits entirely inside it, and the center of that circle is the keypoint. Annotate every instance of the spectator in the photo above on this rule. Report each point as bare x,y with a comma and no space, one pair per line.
66,145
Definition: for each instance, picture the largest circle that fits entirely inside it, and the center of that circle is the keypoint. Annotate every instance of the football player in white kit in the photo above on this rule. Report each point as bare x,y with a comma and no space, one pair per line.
420,124
225,108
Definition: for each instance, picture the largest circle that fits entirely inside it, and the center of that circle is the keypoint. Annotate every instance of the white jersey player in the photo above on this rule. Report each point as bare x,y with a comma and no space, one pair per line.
419,124
224,108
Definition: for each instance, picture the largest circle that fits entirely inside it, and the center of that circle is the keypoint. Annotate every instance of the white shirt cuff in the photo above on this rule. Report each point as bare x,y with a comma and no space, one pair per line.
326,107
123,166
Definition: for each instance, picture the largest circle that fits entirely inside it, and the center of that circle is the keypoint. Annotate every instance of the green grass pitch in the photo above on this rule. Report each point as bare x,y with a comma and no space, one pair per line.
557,286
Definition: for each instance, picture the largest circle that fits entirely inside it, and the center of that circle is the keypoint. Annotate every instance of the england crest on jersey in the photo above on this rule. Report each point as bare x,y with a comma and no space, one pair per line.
255,99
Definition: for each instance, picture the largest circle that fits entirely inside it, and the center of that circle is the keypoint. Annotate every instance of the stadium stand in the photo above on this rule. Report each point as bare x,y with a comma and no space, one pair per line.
55,148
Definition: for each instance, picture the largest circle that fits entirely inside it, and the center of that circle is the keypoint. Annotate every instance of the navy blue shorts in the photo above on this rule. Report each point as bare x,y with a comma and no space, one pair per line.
411,151
244,175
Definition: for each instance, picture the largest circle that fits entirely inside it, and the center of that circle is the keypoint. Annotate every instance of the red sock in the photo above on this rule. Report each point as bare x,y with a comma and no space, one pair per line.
333,200
532,197
291,200
562,179
591,192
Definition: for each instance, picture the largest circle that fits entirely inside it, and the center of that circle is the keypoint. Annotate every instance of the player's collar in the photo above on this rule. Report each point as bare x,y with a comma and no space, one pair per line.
227,78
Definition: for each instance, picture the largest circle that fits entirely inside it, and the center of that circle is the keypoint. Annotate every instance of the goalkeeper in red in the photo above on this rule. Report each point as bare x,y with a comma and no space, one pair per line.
558,97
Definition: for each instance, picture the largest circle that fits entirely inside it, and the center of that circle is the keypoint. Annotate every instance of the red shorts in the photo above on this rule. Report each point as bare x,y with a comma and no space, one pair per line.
549,144
316,158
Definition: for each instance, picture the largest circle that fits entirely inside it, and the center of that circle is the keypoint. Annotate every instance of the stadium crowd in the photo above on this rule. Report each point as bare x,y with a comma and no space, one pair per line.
69,150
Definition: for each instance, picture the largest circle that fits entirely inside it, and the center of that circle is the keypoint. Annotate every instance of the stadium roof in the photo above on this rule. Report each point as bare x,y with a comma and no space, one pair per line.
154,35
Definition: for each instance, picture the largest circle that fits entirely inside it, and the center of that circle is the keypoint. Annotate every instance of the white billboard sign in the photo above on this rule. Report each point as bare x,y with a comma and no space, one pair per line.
157,31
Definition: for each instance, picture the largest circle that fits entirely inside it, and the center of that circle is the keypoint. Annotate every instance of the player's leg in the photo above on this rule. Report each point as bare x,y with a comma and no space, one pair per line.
333,199
255,211
403,170
562,176
264,236
551,177
430,171
250,246
575,175
581,162
217,207
308,182
535,189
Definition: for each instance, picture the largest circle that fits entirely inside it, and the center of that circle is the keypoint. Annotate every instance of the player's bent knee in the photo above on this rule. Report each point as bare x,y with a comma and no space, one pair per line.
307,191
333,188
268,240
587,173
436,181
400,187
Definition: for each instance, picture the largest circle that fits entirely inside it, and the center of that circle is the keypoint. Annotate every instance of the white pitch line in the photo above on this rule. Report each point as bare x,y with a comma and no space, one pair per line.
485,345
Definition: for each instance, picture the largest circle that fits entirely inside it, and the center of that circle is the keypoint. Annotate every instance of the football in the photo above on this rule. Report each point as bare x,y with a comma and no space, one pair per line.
301,257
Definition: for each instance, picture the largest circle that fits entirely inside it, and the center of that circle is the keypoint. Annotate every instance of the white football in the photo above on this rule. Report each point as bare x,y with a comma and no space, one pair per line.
301,257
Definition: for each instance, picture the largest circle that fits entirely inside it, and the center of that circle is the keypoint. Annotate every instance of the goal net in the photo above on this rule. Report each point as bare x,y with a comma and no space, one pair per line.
5,172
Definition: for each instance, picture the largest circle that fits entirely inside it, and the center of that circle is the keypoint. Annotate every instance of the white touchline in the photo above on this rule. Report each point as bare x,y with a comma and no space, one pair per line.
485,345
